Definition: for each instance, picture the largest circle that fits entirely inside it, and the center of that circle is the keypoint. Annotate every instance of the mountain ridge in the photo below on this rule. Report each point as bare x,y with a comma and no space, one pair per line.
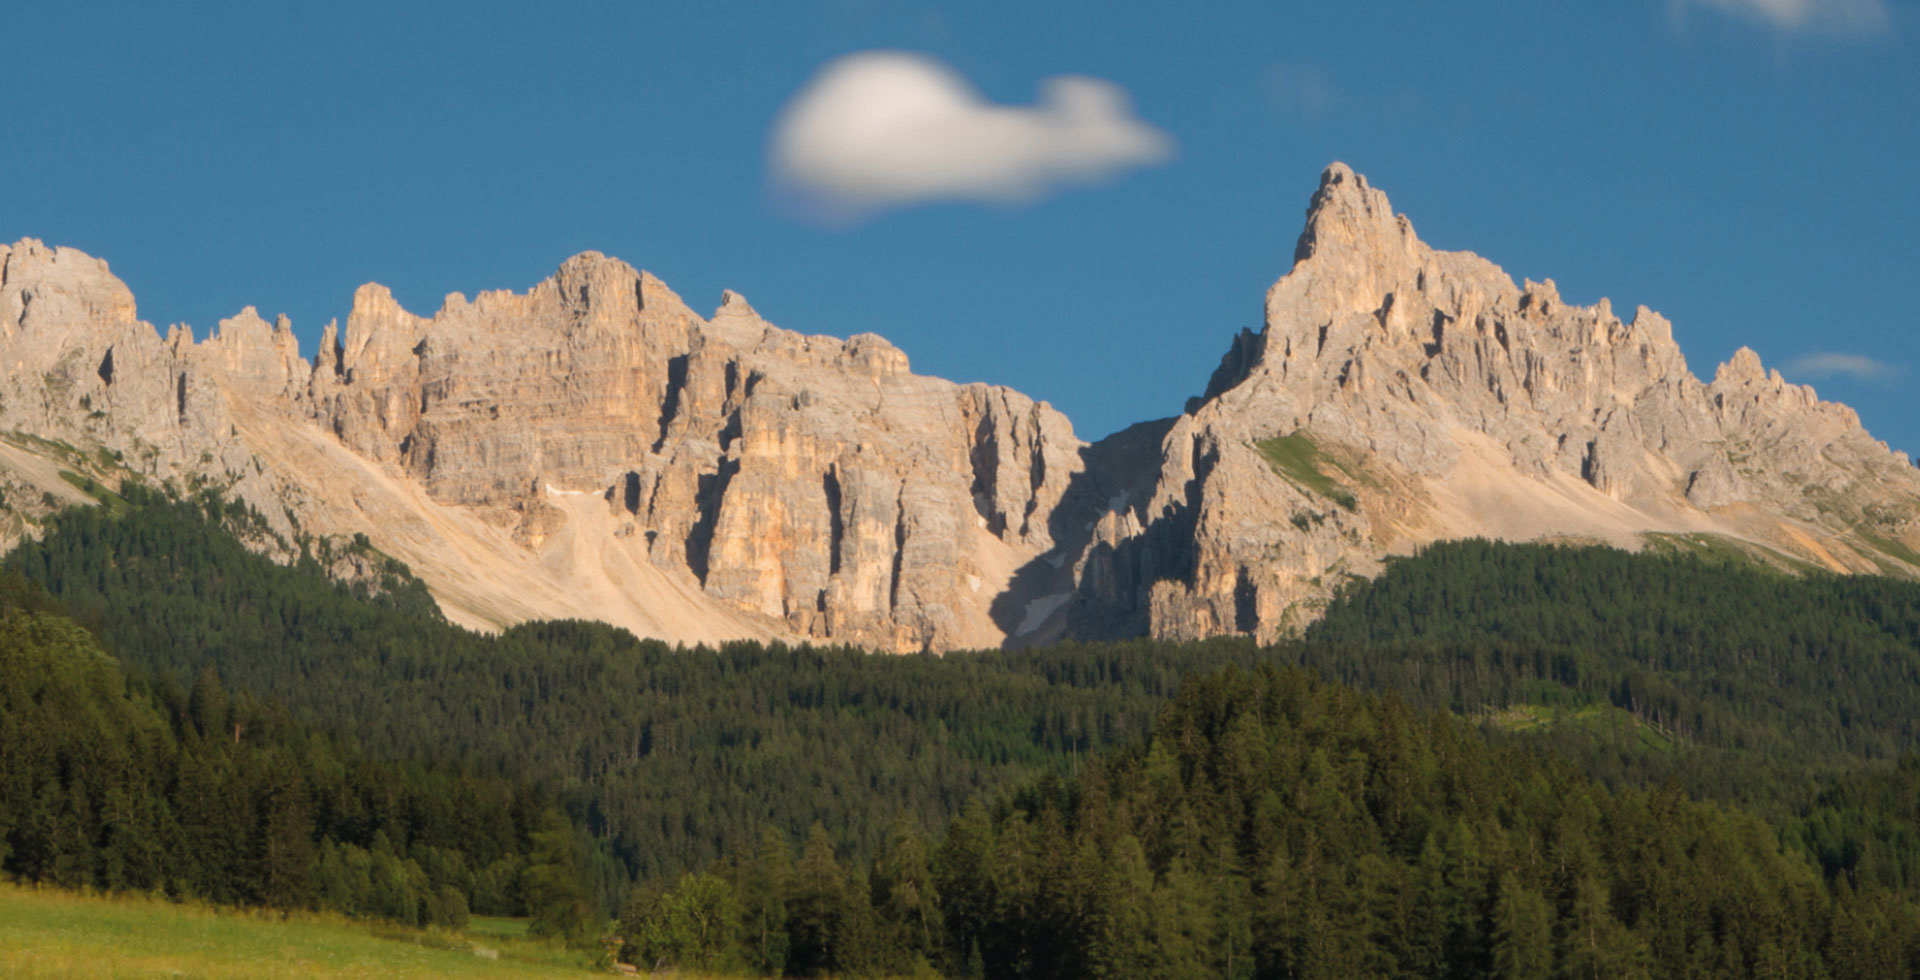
594,448
1457,404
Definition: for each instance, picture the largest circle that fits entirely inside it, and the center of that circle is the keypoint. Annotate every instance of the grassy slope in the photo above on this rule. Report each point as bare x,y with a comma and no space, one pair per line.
1298,459
47,933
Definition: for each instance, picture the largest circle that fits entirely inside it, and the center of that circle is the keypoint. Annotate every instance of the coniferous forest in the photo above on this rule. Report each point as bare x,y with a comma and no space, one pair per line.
1493,760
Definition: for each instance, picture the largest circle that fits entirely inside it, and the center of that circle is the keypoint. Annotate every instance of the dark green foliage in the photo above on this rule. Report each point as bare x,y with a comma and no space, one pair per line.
1866,828
1281,826
556,899
224,798
692,925
1744,683
77,760
776,802
666,755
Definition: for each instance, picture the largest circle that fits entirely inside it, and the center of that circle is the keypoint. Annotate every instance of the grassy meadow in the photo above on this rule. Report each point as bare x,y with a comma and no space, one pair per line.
51,934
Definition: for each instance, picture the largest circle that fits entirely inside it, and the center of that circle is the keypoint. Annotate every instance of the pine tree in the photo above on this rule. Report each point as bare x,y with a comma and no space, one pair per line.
1522,933
286,837
905,899
761,884
556,899
816,908
1120,941
208,704
964,875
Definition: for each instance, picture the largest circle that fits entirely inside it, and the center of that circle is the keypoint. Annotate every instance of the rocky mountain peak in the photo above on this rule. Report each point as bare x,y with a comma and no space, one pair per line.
49,286
592,447
1743,368
1399,394
1346,214
736,321
262,359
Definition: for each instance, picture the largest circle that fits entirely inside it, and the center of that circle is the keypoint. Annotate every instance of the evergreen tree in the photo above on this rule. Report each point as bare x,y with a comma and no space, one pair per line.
1522,933
286,853
817,908
762,882
555,898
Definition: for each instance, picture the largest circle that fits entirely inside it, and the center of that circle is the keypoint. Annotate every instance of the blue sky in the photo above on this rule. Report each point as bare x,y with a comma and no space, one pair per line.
1747,167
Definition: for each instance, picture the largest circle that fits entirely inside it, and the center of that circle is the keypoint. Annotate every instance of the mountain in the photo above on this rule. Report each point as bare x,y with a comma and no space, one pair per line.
592,448
1400,395
595,449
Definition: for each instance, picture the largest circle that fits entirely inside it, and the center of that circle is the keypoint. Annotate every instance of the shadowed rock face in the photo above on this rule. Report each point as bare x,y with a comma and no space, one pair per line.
595,448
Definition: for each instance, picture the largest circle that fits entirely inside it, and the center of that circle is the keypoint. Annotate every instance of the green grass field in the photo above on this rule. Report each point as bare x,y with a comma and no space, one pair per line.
47,933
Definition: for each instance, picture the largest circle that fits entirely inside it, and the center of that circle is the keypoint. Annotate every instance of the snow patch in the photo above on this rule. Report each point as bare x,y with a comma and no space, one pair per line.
1039,609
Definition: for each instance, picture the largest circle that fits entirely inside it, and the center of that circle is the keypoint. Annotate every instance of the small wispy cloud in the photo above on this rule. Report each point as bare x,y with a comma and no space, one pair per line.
1834,364
883,129
1809,16
1301,88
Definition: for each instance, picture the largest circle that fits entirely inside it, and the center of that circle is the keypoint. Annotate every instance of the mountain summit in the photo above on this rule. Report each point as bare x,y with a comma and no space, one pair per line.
594,448
1399,394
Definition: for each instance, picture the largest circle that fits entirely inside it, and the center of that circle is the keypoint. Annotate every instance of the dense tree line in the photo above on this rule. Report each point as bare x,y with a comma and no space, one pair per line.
1281,826
666,755
1864,829
220,796
1751,684
793,810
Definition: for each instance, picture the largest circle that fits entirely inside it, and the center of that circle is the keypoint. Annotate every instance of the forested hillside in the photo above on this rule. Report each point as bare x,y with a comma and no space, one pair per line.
1281,826
667,755
222,797
1494,759
1739,681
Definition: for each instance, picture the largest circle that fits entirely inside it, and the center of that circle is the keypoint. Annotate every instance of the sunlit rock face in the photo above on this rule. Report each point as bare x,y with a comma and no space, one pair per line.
1442,400
594,448
776,484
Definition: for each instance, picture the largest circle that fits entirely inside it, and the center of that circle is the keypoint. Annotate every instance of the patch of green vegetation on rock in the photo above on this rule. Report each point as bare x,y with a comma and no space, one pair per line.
1892,547
43,446
115,504
1296,458
1719,549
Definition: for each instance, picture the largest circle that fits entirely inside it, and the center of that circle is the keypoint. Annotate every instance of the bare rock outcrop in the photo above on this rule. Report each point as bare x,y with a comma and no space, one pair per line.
595,448
1399,394
779,485
88,384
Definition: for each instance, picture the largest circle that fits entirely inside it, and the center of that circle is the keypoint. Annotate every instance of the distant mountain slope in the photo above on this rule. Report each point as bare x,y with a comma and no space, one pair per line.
222,798
1741,682
1738,681
594,449
591,448
1400,395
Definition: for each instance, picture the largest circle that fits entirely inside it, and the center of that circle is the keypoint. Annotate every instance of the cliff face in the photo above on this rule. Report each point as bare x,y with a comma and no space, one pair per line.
815,482
595,448
86,384
594,434
1400,394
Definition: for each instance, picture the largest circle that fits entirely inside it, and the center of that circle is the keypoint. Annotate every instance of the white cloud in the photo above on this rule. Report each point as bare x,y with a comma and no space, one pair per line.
1812,16
882,129
1831,364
